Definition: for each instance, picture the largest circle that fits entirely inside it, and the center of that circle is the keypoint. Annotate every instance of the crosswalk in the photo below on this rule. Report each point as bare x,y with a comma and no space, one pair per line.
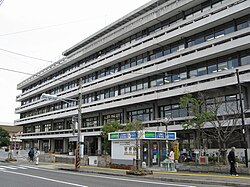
15,167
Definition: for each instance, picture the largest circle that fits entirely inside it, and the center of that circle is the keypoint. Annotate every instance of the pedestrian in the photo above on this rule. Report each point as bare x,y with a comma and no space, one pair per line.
37,153
232,162
31,154
171,158
171,155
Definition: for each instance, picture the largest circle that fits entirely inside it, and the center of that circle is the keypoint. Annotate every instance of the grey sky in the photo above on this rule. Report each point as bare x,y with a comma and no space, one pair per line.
44,29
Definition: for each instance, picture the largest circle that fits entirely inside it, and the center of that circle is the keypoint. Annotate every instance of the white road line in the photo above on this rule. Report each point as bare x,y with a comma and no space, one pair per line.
115,178
43,178
20,167
8,167
30,167
13,167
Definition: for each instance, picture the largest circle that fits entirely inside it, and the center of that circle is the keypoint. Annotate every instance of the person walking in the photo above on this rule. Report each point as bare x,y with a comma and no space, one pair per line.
171,155
31,154
232,162
37,153
171,158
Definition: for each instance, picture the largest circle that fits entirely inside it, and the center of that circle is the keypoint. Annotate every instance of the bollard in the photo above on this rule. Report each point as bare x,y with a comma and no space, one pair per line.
143,165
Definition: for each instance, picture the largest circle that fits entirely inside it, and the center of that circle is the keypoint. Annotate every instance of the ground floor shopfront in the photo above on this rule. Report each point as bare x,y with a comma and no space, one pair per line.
152,152
65,145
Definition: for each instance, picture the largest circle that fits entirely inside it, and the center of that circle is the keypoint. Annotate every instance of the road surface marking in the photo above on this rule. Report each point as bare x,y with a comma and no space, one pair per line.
114,178
43,178
30,167
8,167
13,167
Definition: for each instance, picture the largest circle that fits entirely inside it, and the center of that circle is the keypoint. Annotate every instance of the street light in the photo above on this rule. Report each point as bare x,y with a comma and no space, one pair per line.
165,121
54,97
242,118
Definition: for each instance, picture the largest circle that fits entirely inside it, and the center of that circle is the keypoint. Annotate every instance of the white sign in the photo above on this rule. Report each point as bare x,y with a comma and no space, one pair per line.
125,150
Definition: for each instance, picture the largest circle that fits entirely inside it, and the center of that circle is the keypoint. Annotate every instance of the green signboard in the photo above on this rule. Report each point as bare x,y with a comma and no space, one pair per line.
149,134
114,136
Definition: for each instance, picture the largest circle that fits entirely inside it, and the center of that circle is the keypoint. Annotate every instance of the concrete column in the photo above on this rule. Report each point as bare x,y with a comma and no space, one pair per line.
65,145
40,145
31,143
52,145
99,148
23,145
100,119
124,115
155,111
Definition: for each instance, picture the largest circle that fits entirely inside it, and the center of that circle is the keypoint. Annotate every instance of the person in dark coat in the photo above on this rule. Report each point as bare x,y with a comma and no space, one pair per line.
31,154
232,162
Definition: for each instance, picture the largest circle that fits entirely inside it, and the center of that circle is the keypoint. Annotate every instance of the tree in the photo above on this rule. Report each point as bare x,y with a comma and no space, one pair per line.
4,137
200,116
136,126
216,119
106,129
225,124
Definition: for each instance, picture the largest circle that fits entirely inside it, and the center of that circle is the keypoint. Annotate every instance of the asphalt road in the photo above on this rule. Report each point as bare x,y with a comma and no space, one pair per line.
32,176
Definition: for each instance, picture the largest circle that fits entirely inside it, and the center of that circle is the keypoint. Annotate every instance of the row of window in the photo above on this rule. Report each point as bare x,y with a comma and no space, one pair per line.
226,104
176,46
207,67
54,91
205,36
46,127
224,64
148,31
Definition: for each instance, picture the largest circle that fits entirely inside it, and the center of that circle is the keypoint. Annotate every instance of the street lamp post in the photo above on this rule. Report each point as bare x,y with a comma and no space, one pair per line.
54,97
165,121
242,118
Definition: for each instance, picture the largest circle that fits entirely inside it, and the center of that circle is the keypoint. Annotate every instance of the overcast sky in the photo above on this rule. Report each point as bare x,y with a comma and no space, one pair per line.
44,29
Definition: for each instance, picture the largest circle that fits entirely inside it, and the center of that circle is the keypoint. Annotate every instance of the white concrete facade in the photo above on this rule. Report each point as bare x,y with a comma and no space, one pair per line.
126,68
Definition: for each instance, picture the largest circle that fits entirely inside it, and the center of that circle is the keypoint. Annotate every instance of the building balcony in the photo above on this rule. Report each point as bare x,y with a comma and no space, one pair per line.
211,49
182,28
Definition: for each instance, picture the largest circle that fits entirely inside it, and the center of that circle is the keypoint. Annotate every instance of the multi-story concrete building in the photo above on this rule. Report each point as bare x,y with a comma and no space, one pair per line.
137,68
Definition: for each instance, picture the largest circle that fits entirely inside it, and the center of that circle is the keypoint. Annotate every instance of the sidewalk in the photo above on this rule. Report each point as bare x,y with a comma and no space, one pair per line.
183,177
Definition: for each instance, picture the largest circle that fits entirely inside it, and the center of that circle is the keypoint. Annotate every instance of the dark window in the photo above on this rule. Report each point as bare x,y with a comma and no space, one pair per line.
212,68
166,50
233,62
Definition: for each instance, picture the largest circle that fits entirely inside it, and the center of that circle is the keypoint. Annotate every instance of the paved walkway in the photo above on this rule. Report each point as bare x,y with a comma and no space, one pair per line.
182,177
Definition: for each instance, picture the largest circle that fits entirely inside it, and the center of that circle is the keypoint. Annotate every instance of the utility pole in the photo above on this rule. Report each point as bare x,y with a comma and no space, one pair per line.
242,118
55,97
77,155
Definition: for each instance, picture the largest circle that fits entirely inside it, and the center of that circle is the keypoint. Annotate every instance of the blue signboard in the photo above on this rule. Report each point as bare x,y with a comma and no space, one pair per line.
161,135
133,135
171,135
123,135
